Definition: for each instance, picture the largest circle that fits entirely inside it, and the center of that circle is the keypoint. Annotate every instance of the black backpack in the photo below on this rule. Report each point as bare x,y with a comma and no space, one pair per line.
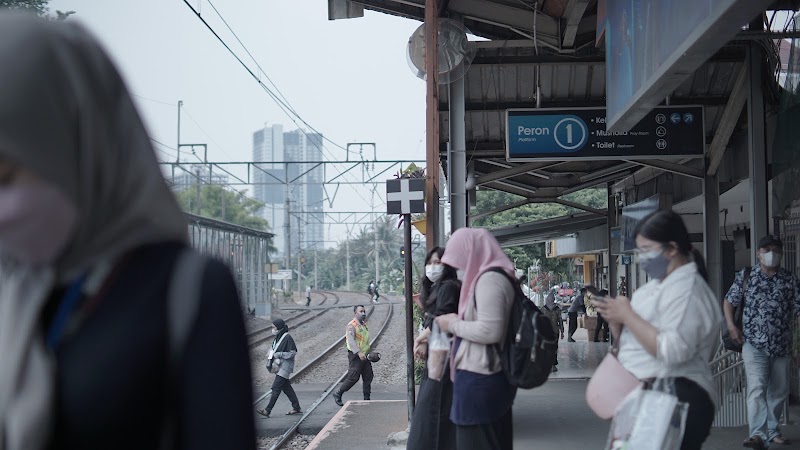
531,345
738,314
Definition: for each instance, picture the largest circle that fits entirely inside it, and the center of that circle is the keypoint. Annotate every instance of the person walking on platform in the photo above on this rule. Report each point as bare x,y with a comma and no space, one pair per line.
601,323
670,328
281,363
553,312
482,395
431,427
114,333
308,295
771,306
572,313
357,340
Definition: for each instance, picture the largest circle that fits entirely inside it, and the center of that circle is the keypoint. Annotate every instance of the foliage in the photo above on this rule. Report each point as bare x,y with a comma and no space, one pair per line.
332,263
551,270
38,7
216,202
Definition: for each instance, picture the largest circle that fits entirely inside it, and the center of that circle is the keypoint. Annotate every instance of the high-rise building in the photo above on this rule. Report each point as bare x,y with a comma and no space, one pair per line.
272,146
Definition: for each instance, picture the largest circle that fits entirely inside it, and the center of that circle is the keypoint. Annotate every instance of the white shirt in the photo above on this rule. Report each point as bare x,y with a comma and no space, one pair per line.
687,315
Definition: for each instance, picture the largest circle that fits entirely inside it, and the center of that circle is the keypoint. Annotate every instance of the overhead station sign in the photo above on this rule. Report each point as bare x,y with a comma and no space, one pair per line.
580,133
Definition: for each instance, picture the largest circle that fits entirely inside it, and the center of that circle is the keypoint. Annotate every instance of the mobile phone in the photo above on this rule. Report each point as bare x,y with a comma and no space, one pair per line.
599,299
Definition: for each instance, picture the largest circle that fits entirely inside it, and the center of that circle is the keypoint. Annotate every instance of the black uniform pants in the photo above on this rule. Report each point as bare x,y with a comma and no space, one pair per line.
601,323
284,385
357,368
573,323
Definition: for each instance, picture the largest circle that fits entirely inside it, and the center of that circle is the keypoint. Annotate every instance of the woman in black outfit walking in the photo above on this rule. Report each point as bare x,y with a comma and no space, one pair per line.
431,427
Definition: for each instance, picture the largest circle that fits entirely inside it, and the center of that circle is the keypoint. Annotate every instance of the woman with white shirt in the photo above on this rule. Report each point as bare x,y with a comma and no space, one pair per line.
482,396
670,327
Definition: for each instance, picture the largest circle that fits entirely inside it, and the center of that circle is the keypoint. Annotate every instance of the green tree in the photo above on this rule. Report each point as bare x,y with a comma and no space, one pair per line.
219,203
38,7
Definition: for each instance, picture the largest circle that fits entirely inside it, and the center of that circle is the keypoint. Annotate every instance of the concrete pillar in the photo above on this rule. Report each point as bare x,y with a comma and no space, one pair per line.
711,234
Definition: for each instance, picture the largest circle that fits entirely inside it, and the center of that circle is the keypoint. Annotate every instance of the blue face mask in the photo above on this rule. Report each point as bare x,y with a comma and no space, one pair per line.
654,263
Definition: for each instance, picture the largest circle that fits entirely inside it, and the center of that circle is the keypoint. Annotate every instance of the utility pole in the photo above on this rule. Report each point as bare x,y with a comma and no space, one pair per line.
287,229
222,193
197,189
347,246
375,224
316,286
178,147
299,259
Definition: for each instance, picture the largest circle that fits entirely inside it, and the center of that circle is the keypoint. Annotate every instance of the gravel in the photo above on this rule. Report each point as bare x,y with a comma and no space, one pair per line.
299,442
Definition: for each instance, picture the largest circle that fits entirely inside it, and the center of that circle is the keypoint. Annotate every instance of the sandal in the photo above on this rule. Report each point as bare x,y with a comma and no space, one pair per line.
780,440
263,412
293,412
755,442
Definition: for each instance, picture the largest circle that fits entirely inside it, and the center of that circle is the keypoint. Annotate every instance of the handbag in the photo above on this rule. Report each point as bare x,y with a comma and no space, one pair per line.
738,314
650,418
609,385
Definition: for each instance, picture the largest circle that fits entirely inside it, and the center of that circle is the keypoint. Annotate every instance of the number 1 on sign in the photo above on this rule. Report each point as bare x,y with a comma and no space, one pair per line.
569,133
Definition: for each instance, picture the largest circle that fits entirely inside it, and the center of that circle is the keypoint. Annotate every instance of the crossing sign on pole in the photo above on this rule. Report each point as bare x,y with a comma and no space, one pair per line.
405,196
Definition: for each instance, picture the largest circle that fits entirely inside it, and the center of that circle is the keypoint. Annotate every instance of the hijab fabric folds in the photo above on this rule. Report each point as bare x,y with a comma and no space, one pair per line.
66,116
474,251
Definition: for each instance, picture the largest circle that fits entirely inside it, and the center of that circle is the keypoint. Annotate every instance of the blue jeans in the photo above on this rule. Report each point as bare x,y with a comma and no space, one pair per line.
767,389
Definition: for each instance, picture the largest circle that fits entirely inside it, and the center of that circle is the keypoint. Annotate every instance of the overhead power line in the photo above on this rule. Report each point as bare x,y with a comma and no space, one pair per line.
284,106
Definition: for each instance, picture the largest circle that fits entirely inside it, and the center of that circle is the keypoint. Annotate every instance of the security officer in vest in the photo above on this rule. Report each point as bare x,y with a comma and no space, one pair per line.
357,338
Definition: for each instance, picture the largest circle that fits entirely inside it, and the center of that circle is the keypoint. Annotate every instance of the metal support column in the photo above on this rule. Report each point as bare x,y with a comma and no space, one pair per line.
756,148
457,157
711,234
409,316
611,222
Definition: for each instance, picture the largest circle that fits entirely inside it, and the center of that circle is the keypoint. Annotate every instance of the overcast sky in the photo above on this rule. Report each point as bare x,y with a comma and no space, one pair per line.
349,79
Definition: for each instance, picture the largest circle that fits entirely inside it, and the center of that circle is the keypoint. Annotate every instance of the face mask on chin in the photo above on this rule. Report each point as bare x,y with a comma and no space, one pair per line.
362,317
36,222
771,259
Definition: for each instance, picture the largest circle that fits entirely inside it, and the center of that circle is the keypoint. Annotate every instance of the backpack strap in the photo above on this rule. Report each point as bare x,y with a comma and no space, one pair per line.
183,301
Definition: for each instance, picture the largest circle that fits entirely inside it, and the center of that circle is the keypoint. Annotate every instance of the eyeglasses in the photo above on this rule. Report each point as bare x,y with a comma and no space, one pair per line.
639,251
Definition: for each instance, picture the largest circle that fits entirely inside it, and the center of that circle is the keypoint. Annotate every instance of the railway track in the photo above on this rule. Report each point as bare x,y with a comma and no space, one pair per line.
264,334
289,433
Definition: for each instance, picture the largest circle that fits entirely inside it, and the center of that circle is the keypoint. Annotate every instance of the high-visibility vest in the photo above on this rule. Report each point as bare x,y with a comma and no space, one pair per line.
362,337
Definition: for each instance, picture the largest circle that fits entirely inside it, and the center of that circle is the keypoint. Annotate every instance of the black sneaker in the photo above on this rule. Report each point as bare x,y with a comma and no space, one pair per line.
263,412
570,340
338,399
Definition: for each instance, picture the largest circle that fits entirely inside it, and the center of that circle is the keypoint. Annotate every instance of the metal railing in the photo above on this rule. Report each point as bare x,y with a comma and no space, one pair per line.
244,250
727,369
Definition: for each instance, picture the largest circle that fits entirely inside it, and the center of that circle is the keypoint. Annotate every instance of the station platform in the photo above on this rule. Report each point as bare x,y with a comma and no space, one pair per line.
553,416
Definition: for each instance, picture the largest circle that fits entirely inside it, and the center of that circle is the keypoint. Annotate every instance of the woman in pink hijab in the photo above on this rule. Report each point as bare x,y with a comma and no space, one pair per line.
482,396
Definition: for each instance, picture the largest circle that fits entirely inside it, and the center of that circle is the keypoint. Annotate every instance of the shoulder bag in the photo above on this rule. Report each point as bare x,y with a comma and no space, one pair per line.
738,314
610,384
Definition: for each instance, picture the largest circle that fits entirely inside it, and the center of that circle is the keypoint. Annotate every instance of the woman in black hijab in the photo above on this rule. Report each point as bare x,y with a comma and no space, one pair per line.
281,363
431,427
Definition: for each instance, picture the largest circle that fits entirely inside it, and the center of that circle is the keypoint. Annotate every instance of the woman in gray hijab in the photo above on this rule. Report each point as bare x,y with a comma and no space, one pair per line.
91,245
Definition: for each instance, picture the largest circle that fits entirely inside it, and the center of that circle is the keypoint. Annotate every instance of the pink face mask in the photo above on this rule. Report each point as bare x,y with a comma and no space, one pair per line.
36,221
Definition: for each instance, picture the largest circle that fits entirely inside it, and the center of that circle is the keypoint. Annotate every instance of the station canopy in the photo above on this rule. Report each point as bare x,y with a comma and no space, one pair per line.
568,65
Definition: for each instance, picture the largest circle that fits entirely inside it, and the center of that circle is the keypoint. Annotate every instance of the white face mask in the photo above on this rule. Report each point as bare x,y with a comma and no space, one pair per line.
36,222
771,259
434,272
460,274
